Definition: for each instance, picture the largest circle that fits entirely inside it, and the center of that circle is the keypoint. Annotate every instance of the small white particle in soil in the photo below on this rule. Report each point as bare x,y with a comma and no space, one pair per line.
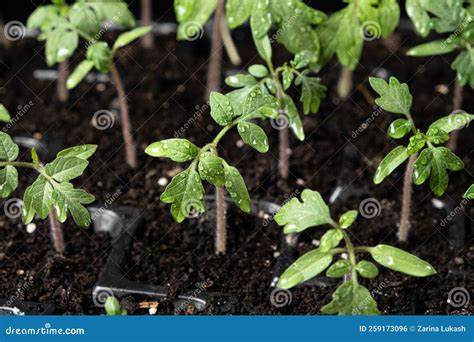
443,89
266,216
30,228
239,143
162,181
152,311
166,105
20,272
276,254
315,242
180,88
99,183
100,87
300,181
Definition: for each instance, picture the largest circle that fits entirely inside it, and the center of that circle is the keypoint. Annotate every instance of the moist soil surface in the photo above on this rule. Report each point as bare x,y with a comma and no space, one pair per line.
165,88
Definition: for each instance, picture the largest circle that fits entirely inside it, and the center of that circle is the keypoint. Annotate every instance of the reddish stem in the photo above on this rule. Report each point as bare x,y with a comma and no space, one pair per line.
457,105
406,202
63,94
56,232
344,85
130,152
221,234
147,9
283,157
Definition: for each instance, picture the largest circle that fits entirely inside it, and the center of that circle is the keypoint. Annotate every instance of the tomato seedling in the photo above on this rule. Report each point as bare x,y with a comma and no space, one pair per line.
350,298
60,24
433,162
344,32
112,307
52,192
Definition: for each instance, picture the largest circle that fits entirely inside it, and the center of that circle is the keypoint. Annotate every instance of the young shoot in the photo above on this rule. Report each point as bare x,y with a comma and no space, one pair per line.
101,57
60,25
52,191
427,159
456,19
112,307
185,192
469,194
350,298
344,32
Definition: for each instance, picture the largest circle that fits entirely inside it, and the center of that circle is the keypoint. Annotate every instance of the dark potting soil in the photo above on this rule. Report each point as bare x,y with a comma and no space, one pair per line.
166,87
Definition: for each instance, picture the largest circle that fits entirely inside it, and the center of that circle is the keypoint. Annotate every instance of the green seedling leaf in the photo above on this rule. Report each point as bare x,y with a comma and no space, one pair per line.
238,11
302,59
264,47
422,167
367,269
293,117
34,156
287,75
100,54
79,73
304,268
416,143
464,66
330,239
221,109
436,47
183,9
84,17
178,150
115,11
61,43
28,213
258,70
312,91
8,180
67,199
452,161
351,299
419,16
63,169
41,192
260,19
297,216
42,17
128,37
339,269
185,193
469,194
401,261
211,169
80,151
112,307
399,128
451,122
437,136
191,23
240,80
347,219
394,97
253,135
391,161
235,185
4,114
8,149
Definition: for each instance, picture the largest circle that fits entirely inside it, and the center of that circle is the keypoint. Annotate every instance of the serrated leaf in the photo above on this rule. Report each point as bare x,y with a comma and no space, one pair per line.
178,150
128,37
347,219
185,193
452,161
419,16
351,299
79,73
312,91
81,151
394,97
401,261
4,114
28,213
416,143
211,169
66,198
100,54
391,161
339,269
63,169
8,149
235,185
367,269
41,192
61,43
221,109
302,59
253,135
297,216
8,180
304,268
464,66
422,167
469,194
330,239
399,128
439,176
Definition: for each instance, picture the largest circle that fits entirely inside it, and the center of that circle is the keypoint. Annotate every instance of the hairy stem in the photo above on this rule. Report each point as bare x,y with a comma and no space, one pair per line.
283,147
229,45
352,257
215,59
63,94
130,152
221,234
457,105
344,85
147,9
406,202
56,232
